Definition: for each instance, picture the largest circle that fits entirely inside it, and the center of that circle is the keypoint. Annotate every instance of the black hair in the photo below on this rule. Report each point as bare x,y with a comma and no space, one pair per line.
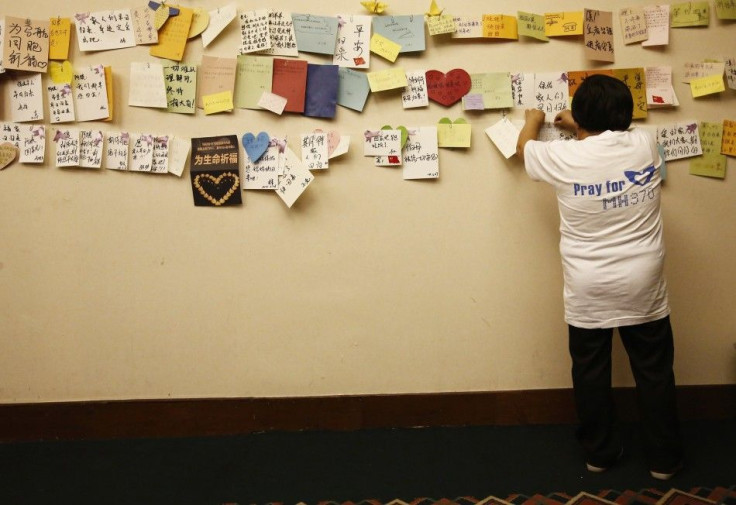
602,103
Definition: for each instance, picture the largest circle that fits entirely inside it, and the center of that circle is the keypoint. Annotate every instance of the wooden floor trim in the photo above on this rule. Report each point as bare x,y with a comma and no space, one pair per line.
228,416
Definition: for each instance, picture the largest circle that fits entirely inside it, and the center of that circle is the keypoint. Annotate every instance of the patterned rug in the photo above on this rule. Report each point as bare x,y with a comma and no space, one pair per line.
696,496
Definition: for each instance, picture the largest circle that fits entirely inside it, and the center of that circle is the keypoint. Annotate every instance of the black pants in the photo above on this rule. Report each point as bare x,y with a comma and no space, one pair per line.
651,354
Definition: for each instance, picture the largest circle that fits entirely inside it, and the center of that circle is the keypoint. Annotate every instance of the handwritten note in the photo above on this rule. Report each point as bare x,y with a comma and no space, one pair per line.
90,149
523,90
708,85
440,25
690,14
315,34
104,30
531,25
290,82
160,159
353,43
679,140
26,44
711,137
598,35
729,138
551,93
658,25
696,70
219,19
179,149
181,88
504,135
67,147
143,25
33,144
384,47
283,37
264,173
468,27
500,26
61,104
294,180
635,80
494,87
453,133
420,156
272,102
712,163
384,80
117,150
253,81
60,32
314,151
660,92
172,38
415,93
633,24
726,9
26,97
405,31
215,75
563,24
730,70
147,87
382,142
353,89
218,102
141,152
254,32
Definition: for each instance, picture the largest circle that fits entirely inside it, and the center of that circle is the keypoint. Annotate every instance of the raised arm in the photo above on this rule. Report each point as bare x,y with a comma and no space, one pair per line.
534,119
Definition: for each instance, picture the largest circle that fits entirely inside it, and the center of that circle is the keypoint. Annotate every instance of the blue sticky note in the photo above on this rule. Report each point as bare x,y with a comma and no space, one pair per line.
315,34
353,90
322,85
407,31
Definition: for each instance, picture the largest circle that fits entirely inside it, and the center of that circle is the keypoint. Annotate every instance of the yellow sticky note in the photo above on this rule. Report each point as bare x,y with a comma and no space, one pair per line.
61,72
690,14
707,85
438,25
110,95
59,36
500,26
172,38
635,79
729,138
563,24
453,134
384,47
710,165
218,102
387,79
726,9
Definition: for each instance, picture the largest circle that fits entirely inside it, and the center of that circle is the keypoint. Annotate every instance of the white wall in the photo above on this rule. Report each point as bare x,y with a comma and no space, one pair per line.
114,286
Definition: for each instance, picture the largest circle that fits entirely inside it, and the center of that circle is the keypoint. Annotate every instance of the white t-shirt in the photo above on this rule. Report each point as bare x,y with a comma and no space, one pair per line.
608,192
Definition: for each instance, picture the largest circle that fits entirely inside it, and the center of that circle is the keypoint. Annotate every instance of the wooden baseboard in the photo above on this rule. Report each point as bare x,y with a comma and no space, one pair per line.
229,416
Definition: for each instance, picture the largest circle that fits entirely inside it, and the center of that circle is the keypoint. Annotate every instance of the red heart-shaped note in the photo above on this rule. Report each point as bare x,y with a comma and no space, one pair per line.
447,88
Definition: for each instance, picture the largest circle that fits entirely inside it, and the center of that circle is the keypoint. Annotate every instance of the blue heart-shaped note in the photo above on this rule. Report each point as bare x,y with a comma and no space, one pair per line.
256,146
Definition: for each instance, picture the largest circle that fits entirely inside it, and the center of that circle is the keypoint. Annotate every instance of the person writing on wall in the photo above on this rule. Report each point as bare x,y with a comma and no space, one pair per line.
608,193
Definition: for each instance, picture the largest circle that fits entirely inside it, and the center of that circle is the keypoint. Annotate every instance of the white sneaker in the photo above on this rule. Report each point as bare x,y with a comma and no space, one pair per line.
666,475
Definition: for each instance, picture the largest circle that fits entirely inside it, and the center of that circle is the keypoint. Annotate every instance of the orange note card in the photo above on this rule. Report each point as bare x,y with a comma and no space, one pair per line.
290,82
172,38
